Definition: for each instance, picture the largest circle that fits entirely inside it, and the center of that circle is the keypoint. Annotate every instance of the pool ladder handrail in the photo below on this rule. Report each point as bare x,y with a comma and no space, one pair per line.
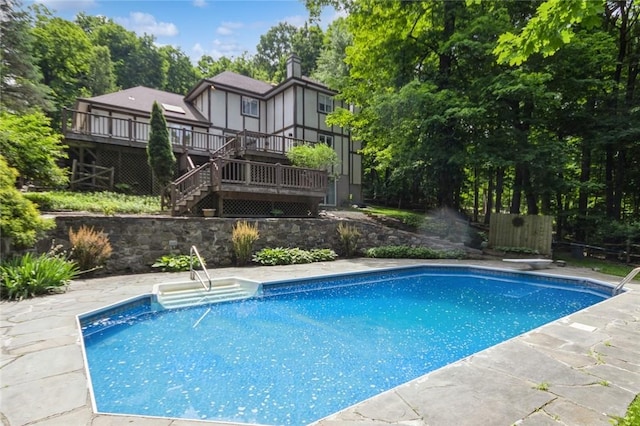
626,280
193,273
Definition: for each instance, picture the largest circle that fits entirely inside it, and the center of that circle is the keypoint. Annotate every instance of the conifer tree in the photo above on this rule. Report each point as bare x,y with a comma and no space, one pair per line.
159,152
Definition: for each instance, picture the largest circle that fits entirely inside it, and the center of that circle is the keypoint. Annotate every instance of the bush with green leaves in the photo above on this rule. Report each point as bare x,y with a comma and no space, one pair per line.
407,252
319,156
30,275
29,144
19,217
292,256
176,263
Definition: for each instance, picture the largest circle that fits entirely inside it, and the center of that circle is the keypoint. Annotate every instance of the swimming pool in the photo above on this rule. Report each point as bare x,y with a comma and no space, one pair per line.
308,348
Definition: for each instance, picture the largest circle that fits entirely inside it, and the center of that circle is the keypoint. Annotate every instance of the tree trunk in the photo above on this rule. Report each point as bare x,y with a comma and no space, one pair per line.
499,188
516,198
489,204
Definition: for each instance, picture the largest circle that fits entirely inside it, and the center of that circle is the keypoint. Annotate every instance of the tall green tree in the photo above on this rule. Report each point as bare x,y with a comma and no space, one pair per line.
159,150
63,53
181,75
273,48
331,68
146,65
21,84
101,78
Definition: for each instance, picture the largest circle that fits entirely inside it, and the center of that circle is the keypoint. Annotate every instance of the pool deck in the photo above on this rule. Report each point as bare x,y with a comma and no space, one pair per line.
580,370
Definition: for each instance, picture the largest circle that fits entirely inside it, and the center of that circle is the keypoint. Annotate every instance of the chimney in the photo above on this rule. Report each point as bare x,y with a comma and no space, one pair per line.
294,67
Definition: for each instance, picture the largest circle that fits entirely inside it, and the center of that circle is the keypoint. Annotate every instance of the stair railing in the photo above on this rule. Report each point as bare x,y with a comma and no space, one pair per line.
625,280
220,152
187,183
193,253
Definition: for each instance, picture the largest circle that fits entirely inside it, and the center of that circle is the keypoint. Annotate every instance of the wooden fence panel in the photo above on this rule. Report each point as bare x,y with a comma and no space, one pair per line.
529,231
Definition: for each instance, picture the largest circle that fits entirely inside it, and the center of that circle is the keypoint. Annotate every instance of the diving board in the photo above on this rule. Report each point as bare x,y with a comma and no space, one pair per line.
532,263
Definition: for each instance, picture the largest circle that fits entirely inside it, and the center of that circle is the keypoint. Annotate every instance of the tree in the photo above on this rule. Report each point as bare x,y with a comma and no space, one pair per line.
331,68
20,78
145,66
29,145
101,78
181,75
307,44
273,49
159,151
64,53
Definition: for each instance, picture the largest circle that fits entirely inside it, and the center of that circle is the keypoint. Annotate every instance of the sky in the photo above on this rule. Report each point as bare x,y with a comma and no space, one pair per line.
198,27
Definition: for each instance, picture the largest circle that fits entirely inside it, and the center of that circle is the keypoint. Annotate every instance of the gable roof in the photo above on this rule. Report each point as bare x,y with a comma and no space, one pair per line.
141,99
239,81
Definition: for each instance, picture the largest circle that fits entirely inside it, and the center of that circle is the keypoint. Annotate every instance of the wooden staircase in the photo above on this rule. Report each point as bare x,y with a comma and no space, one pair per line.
191,188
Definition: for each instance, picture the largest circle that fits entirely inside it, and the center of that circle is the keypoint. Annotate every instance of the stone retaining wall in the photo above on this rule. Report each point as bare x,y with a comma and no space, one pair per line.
138,241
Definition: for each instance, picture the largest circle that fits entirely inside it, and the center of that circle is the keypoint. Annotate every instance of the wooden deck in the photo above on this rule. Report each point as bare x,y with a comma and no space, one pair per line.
228,179
240,179
88,127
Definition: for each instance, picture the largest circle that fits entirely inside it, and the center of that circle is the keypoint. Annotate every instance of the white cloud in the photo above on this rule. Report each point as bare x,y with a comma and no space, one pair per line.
228,28
297,20
144,23
217,49
199,3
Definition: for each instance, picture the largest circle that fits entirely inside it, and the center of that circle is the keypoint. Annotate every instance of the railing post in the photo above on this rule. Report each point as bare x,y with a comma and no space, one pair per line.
184,139
130,132
278,175
247,173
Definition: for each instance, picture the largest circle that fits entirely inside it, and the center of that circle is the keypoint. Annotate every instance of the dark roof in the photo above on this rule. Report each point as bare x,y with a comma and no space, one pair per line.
243,82
141,99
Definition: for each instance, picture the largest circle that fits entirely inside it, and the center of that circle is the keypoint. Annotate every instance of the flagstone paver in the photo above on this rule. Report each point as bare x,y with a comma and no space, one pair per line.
589,361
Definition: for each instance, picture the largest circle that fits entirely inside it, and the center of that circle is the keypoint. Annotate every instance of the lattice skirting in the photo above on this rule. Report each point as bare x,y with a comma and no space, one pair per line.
238,207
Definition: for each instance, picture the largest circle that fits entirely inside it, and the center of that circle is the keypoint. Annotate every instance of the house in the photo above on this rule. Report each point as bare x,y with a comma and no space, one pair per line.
230,134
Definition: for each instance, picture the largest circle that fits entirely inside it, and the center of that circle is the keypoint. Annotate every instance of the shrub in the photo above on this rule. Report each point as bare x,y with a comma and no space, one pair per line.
292,256
243,238
89,248
349,236
319,156
29,276
323,255
176,263
19,217
406,252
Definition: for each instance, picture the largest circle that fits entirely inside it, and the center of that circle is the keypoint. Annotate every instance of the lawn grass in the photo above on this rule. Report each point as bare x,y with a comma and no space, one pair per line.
604,266
95,202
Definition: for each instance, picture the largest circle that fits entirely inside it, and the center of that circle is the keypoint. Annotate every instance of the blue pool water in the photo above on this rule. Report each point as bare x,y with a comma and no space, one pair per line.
307,349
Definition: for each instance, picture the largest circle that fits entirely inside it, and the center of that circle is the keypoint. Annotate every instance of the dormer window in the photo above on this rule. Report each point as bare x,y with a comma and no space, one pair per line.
325,103
250,107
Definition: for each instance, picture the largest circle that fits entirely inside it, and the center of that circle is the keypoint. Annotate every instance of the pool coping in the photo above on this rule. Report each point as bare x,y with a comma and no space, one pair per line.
573,369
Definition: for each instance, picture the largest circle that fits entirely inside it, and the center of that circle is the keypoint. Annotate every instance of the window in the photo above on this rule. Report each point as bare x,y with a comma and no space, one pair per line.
326,139
325,103
250,107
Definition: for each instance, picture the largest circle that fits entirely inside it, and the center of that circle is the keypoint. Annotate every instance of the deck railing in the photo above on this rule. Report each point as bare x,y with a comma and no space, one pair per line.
231,171
127,129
